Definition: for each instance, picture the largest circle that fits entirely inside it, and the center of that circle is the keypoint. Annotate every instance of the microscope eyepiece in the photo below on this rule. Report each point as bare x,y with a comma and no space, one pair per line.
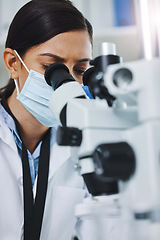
57,74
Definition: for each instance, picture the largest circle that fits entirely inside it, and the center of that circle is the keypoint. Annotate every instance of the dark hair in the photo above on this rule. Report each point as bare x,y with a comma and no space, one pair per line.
38,21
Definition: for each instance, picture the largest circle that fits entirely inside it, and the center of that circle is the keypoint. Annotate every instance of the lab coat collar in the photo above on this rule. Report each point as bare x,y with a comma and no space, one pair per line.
6,136
58,156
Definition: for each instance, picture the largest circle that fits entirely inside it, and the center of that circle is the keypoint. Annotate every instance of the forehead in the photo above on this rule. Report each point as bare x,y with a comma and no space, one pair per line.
66,44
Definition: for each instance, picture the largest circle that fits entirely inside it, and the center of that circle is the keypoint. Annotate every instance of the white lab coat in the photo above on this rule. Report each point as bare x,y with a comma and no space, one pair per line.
65,190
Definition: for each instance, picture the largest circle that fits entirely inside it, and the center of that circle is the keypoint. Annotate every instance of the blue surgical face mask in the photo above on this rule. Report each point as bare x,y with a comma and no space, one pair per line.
35,96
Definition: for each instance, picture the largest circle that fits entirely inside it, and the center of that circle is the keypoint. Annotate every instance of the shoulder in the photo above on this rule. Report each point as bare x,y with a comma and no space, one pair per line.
6,137
3,129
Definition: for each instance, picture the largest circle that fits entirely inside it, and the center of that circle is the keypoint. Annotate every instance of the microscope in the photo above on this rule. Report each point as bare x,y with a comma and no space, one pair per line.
114,141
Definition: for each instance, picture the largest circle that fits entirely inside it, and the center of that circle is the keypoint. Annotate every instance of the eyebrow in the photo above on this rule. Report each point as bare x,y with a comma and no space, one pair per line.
63,59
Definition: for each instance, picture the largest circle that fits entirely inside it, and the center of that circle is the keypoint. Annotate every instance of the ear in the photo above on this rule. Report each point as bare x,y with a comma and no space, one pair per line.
12,63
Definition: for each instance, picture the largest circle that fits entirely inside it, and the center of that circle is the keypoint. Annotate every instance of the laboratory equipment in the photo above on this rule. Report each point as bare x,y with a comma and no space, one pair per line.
114,141
115,148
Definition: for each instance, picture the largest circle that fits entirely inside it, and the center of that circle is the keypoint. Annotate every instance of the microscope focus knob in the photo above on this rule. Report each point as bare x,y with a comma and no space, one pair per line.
67,136
115,160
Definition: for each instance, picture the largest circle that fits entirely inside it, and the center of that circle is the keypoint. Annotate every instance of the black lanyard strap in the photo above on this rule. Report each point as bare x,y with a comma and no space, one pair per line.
42,183
27,193
33,211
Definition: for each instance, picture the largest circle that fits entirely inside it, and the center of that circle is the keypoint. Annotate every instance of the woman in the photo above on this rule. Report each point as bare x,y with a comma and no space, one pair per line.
39,187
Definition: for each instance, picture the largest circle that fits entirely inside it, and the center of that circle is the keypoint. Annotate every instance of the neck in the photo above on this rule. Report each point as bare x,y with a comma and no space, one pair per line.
31,130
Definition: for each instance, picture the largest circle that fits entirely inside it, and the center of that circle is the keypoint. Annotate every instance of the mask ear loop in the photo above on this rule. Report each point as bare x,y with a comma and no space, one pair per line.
16,84
15,80
21,61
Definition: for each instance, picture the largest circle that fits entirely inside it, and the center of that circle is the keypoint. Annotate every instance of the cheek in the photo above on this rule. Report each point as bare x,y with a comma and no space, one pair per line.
78,79
22,79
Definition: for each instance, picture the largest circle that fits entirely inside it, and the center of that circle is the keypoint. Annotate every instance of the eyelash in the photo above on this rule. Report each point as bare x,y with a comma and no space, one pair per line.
79,72
45,66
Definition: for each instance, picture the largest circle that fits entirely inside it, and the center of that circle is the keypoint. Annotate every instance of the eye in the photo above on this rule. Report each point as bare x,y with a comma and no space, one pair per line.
79,71
45,66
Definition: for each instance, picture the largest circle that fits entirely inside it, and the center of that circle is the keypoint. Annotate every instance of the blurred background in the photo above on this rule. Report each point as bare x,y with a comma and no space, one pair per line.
112,20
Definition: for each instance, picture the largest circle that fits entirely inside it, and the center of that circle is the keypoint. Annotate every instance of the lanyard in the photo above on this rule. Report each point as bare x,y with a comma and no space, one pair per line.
34,216
33,210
